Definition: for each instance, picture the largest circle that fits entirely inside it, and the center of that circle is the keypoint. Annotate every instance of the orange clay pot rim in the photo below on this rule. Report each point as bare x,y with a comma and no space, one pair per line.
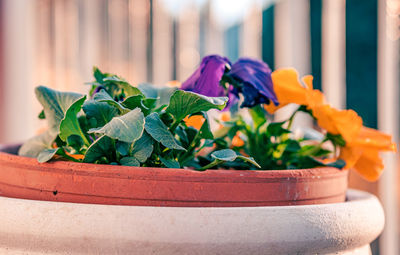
118,171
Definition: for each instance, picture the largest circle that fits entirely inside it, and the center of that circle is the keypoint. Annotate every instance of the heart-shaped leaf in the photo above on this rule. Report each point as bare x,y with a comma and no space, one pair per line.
162,94
184,103
129,161
159,131
100,111
47,154
37,144
143,148
230,155
128,89
70,125
170,163
55,105
102,147
103,96
126,128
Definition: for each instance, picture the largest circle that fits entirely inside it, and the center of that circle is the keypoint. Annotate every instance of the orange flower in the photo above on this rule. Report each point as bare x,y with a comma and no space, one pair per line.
195,121
237,141
288,89
347,123
362,153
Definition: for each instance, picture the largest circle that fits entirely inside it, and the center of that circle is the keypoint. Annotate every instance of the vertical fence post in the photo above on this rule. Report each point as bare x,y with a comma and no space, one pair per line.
388,116
334,52
18,97
292,46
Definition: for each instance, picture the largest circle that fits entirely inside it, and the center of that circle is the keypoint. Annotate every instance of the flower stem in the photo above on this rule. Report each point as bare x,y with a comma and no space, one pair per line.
212,164
292,118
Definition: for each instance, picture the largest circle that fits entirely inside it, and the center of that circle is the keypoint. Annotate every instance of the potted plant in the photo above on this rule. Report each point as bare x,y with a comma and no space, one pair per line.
154,146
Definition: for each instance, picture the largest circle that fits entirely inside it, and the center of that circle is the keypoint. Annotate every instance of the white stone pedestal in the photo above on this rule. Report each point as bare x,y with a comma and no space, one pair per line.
38,227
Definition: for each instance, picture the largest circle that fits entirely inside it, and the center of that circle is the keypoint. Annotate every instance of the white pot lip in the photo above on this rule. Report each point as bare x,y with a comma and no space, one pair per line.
353,197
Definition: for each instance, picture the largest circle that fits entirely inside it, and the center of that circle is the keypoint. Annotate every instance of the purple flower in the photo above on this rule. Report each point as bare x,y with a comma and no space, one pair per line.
256,82
206,79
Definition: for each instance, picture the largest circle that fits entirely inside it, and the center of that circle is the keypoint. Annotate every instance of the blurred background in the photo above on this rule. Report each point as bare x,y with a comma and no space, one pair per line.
350,46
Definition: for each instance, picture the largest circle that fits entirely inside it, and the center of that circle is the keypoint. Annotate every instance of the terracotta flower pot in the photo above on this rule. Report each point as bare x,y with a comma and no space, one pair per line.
22,177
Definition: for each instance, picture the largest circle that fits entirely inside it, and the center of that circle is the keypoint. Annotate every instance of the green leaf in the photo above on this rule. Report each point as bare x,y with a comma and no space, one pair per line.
103,96
37,144
100,111
336,139
76,142
170,163
143,148
70,125
128,89
258,115
55,105
184,103
230,155
162,94
47,154
102,147
205,130
123,148
276,129
129,161
98,75
41,115
126,128
159,131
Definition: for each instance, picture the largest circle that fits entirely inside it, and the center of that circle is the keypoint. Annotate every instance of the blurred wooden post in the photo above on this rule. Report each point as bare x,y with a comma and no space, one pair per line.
334,52
388,117
138,20
292,46
163,44
188,56
250,45
118,37
90,38
18,96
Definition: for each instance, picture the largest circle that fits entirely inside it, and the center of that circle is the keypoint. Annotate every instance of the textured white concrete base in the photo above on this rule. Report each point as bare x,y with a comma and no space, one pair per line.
38,227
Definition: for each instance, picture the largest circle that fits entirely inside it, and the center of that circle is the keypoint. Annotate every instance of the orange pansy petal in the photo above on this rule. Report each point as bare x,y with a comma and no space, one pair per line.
287,87
369,165
237,141
344,122
372,138
348,123
308,81
315,98
323,114
195,121
350,155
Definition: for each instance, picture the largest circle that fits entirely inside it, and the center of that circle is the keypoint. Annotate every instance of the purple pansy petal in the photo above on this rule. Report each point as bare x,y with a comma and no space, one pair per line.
206,79
255,76
233,97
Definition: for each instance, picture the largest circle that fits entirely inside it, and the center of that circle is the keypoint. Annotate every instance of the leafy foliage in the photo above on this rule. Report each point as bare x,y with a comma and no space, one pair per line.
274,146
127,125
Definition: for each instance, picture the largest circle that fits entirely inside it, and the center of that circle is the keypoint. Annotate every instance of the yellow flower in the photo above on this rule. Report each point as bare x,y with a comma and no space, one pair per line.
362,153
288,89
